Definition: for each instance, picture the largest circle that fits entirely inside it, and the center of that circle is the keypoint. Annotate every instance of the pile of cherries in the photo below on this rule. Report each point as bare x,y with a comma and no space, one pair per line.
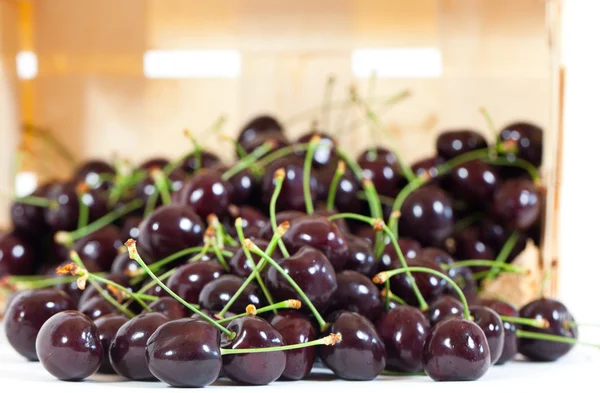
297,254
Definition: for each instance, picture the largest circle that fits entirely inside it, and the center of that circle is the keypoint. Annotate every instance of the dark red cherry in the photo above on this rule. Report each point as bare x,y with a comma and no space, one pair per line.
96,307
489,321
169,229
292,191
189,279
108,325
100,247
239,263
444,307
325,152
469,245
207,193
277,140
529,139
130,228
169,307
296,328
474,181
94,173
456,350
431,286
510,349
125,267
253,368
64,215
69,347
313,273
389,258
560,320
146,188
428,167
155,162
360,256
453,143
427,216
185,353
403,330
191,163
253,220
463,277
357,293
322,211
216,294
495,235
17,256
245,186
91,292
517,204
259,127
320,233
346,192
28,220
128,349
360,356
27,313
282,216
436,255
381,167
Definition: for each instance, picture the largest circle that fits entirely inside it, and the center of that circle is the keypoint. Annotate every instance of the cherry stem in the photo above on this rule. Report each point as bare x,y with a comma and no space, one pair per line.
162,262
280,153
385,200
36,282
376,212
33,200
214,222
68,238
279,177
552,337
379,225
391,296
504,253
518,163
161,183
84,211
483,262
254,248
326,109
112,300
382,277
249,160
239,149
315,141
331,339
141,292
387,293
354,167
219,254
133,254
198,150
537,323
335,182
251,310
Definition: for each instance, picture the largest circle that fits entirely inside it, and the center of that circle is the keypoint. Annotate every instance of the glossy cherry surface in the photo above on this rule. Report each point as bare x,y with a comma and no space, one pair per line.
253,368
100,247
108,325
17,256
325,152
292,191
468,245
320,233
26,314
361,353
559,318
510,348
517,204
259,127
96,307
207,193
169,307
427,216
192,162
125,267
296,328
128,349
360,256
253,220
245,185
403,330
311,271
381,166
495,235
445,307
188,279
69,347
240,265
346,192
185,353
453,143
94,173
431,286
216,294
64,215
456,350
130,228
489,321
389,258
169,229
529,138
29,220
427,167
474,181
357,293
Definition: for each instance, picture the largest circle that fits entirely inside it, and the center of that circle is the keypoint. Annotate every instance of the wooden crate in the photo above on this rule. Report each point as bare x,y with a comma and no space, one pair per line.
90,89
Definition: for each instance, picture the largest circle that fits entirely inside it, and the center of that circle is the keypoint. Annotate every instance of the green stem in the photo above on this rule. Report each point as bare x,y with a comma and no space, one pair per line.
278,177
162,262
483,262
388,294
552,337
84,211
273,307
518,163
280,153
356,169
33,201
335,182
467,222
248,160
393,296
127,291
22,284
312,147
219,254
537,323
321,341
504,253
161,183
112,300
376,212
133,254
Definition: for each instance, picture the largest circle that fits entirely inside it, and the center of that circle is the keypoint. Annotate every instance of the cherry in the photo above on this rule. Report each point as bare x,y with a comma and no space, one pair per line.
361,353
169,307
357,293
286,215
495,235
428,167
128,349
517,204
253,220
169,229
453,143
27,313
510,349
191,163
474,181
322,211
100,247
91,171
108,325
389,259
253,368
463,277
216,294
185,353
325,152
64,215
96,307
456,350
529,140
261,127
345,193
146,188
313,273
444,307
320,233
427,216
296,328
360,256
403,330
244,185
493,328
381,167
469,246
435,255
292,191
560,320
131,228
155,162
239,263
189,279
28,220
207,193
431,286
69,347
17,256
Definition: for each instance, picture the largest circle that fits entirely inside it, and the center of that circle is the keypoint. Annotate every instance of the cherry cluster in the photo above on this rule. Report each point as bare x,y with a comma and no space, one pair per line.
189,270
